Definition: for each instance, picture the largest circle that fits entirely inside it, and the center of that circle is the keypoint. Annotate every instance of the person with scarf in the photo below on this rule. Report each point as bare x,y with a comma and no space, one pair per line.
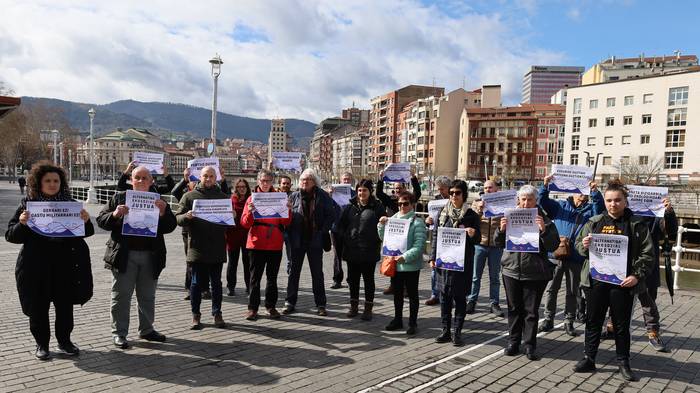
443,185
312,217
408,264
265,242
236,237
525,276
50,269
455,285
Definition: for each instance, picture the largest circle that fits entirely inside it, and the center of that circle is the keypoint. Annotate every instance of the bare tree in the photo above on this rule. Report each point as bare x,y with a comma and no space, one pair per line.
639,170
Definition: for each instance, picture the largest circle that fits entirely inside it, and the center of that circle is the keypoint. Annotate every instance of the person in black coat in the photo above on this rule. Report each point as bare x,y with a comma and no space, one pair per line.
50,269
122,184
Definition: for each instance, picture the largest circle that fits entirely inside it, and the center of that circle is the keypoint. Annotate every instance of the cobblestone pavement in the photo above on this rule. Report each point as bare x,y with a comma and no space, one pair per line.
304,352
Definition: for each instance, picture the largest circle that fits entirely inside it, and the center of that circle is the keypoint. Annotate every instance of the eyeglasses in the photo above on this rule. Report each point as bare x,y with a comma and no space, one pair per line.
403,203
455,193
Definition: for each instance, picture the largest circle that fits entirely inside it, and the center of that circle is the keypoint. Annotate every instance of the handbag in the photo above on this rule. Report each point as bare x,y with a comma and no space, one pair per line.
563,251
327,245
388,266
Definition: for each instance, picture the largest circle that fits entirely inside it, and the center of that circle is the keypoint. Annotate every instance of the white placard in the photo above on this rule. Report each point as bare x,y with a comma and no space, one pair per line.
395,237
142,219
56,219
571,179
270,205
152,161
496,203
451,243
434,208
342,193
287,160
607,256
197,164
398,172
647,201
522,232
217,211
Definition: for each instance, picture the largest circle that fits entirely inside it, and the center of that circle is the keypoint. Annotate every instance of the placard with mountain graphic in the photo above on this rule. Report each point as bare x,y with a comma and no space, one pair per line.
143,215
451,243
270,205
217,211
647,201
571,178
522,232
56,219
607,256
396,237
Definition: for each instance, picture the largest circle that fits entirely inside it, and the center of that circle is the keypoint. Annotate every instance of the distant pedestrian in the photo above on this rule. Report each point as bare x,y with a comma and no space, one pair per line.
50,269
22,182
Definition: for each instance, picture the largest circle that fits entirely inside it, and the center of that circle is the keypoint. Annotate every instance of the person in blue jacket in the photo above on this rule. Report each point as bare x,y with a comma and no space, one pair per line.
569,216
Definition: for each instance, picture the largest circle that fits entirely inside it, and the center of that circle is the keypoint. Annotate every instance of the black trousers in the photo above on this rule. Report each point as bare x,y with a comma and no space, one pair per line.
366,271
337,258
524,298
40,326
408,280
600,297
454,288
232,268
268,262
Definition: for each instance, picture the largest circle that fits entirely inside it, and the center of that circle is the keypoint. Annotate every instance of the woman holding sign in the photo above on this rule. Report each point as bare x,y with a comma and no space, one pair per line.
50,269
606,287
236,237
525,273
408,264
455,280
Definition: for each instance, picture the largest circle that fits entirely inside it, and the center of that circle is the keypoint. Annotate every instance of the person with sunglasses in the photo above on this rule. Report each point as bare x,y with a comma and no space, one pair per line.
236,237
443,185
455,285
408,264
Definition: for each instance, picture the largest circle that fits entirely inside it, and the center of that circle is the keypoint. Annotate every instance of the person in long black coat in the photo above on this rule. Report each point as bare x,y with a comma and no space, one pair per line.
50,269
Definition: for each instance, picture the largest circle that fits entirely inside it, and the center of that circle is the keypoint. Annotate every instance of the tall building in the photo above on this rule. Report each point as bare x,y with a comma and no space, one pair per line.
358,117
542,82
635,124
508,142
615,69
350,153
278,139
385,142
320,151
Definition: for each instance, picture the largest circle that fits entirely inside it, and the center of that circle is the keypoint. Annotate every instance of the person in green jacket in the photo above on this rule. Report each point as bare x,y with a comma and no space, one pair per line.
408,264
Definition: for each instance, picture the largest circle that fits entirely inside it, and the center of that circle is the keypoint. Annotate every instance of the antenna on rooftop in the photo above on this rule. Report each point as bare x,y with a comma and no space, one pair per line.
433,81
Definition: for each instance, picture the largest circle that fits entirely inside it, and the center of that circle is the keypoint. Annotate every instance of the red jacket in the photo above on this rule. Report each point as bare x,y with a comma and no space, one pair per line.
264,237
236,236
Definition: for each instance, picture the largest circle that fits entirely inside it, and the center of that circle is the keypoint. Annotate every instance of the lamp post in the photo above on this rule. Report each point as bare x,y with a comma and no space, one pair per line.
494,168
486,168
92,192
70,166
215,72
60,154
55,146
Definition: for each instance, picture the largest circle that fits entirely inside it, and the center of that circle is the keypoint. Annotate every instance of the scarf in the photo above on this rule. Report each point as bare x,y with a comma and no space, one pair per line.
453,213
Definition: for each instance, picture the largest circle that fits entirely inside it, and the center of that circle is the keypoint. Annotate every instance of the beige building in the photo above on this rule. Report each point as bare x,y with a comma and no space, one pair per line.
115,150
634,123
350,154
278,139
615,69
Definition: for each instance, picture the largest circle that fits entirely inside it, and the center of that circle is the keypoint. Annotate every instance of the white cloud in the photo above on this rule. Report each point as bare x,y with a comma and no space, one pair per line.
304,59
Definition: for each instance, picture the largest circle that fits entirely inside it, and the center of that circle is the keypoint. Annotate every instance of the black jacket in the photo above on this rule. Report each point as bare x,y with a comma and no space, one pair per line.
122,184
470,220
117,246
391,204
358,228
206,240
56,269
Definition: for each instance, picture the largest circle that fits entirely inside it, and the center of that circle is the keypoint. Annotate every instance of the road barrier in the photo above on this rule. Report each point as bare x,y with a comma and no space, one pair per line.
679,249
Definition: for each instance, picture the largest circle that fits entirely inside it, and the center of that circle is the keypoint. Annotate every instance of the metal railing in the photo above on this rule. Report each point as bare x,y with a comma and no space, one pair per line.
679,249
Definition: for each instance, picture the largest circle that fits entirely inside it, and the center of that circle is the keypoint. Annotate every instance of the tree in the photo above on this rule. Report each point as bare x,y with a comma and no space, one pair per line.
639,170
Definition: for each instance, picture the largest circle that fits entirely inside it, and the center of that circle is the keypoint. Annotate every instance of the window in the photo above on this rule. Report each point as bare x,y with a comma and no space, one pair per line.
574,142
678,96
610,102
574,159
629,100
592,123
607,160
677,117
577,124
609,121
646,119
644,139
648,98
591,141
673,160
675,138
627,120
592,104
643,160
577,106
608,141
626,139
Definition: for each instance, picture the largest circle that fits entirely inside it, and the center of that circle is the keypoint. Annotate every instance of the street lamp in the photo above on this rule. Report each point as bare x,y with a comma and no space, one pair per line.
486,168
60,154
215,72
55,146
494,168
92,192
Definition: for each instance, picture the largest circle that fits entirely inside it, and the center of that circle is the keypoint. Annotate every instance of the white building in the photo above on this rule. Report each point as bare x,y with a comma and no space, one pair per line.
636,122
278,140
350,154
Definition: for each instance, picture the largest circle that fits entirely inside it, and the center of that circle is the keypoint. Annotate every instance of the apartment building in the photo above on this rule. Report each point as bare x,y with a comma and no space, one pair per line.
615,69
540,83
350,153
278,139
637,122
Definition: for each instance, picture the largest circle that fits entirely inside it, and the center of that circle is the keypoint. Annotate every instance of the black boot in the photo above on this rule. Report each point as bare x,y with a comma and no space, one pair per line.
457,337
626,371
367,312
585,365
354,308
511,350
445,336
569,328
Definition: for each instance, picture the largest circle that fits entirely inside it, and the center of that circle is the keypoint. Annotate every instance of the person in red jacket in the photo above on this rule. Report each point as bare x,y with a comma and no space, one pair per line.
265,242
236,237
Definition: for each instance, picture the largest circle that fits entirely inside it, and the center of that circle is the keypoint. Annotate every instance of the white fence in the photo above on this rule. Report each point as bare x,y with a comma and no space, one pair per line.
679,249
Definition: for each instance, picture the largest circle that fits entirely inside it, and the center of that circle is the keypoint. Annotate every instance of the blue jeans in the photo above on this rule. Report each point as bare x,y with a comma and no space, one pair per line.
200,273
434,290
481,254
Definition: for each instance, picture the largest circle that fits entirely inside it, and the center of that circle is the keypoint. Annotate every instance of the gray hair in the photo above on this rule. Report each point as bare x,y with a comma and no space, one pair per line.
265,172
348,174
443,181
312,174
527,190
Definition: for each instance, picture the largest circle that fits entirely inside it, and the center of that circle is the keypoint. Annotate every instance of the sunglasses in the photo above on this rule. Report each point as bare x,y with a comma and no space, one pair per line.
456,193
404,203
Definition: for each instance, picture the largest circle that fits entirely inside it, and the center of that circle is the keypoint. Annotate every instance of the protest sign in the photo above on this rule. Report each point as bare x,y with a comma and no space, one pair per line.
434,208
342,194
395,237
287,160
197,164
451,243
607,256
496,203
397,172
647,201
152,161
571,179
217,211
270,205
522,232
143,215
56,219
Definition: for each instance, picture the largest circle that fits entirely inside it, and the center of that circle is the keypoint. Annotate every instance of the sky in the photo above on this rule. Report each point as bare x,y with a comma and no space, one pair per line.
309,59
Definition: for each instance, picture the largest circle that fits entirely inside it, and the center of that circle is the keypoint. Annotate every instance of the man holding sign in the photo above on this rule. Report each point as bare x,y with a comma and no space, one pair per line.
135,261
123,185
